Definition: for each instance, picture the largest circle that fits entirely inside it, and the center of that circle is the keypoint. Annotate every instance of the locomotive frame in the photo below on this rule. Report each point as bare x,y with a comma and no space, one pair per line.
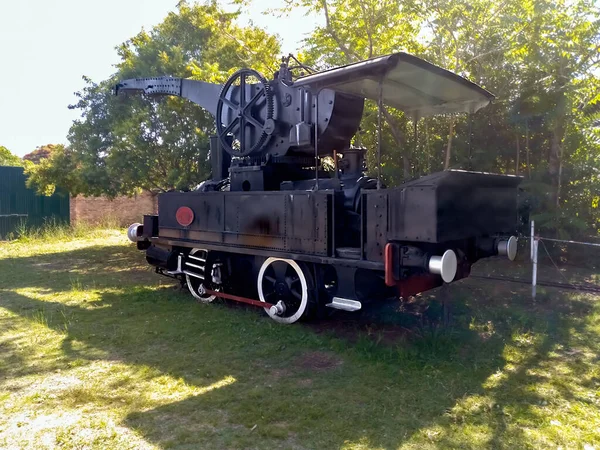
274,229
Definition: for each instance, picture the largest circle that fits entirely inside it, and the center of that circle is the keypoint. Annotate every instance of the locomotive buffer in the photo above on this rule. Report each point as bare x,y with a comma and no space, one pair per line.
277,224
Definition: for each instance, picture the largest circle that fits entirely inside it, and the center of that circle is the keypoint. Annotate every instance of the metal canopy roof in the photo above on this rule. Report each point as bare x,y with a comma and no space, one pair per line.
410,84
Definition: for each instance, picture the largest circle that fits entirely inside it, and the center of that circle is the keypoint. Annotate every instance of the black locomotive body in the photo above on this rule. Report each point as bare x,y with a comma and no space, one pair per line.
273,228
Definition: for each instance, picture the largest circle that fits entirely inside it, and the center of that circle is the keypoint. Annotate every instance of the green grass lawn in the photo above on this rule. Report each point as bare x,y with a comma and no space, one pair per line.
96,351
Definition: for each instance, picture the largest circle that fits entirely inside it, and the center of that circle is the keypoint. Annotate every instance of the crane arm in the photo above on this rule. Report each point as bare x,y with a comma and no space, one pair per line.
201,93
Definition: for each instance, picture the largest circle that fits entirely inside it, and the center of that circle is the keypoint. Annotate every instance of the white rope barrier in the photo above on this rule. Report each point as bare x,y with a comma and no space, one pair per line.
569,242
534,246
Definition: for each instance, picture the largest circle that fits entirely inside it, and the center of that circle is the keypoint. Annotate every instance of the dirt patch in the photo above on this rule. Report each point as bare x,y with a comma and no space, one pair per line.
352,328
318,361
277,374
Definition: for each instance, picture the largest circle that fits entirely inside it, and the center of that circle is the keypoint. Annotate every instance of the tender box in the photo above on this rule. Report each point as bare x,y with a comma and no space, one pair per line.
452,205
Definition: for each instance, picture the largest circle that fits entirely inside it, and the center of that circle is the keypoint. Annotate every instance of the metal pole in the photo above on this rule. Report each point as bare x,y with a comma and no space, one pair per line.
335,164
531,240
416,132
316,141
470,136
380,105
535,263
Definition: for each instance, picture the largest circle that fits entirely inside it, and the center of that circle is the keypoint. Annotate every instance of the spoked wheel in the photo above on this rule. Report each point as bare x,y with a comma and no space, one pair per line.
198,274
288,286
244,116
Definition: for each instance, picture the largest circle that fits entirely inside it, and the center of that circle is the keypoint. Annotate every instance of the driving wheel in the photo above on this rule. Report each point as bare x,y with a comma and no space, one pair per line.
288,286
198,275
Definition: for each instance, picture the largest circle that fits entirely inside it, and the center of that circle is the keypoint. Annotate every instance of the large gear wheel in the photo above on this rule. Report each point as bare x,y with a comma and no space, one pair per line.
244,116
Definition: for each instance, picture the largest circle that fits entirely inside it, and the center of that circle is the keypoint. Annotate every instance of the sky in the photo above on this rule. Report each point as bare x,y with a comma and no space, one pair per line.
46,46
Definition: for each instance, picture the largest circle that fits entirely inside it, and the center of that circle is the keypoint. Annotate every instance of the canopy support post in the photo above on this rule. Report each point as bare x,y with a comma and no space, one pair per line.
416,134
380,112
335,164
470,138
317,141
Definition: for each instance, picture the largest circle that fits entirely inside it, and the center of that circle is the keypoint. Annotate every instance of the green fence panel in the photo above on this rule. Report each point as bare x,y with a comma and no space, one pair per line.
21,206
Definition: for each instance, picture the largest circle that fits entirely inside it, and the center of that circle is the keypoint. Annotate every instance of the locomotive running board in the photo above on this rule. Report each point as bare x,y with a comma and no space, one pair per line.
345,304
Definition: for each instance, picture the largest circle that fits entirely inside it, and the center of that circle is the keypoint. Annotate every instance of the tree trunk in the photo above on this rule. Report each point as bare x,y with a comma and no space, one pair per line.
518,157
527,148
400,141
555,159
556,152
560,170
449,146
428,151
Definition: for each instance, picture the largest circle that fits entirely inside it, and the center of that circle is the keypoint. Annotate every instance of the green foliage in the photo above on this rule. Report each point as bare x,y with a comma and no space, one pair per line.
539,57
54,231
59,168
8,159
120,146
42,152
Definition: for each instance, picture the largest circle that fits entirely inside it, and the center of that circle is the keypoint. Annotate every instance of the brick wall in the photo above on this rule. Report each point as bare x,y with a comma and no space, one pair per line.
123,210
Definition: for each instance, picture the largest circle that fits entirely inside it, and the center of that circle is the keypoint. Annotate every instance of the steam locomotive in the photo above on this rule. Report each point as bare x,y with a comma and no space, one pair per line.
273,228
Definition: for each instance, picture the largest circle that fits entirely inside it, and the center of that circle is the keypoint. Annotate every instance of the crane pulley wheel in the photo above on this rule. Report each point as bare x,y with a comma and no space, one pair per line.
244,117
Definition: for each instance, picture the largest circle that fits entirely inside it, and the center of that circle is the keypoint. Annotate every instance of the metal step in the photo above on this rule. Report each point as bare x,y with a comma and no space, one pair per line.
179,270
348,252
345,304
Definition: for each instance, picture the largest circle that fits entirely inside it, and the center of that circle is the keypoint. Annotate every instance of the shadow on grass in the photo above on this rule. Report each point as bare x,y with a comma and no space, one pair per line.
112,266
298,386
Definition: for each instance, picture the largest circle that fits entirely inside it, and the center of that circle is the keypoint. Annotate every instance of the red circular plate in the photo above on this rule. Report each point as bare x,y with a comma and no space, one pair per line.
184,216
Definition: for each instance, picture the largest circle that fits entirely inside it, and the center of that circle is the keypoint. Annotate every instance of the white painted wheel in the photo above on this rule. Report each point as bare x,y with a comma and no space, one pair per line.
195,263
283,282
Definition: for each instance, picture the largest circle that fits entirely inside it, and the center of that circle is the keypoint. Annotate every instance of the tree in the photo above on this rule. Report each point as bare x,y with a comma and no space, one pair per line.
8,159
121,145
59,169
42,152
539,57
354,30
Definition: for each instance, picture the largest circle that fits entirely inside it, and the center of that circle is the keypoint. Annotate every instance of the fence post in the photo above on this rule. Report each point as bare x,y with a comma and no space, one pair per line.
534,257
531,240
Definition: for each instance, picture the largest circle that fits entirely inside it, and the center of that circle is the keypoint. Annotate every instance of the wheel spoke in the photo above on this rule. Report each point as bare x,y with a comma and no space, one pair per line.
291,281
229,127
280,269
296,294
229,103
254,122
243,90
270,279
242,134
254,99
